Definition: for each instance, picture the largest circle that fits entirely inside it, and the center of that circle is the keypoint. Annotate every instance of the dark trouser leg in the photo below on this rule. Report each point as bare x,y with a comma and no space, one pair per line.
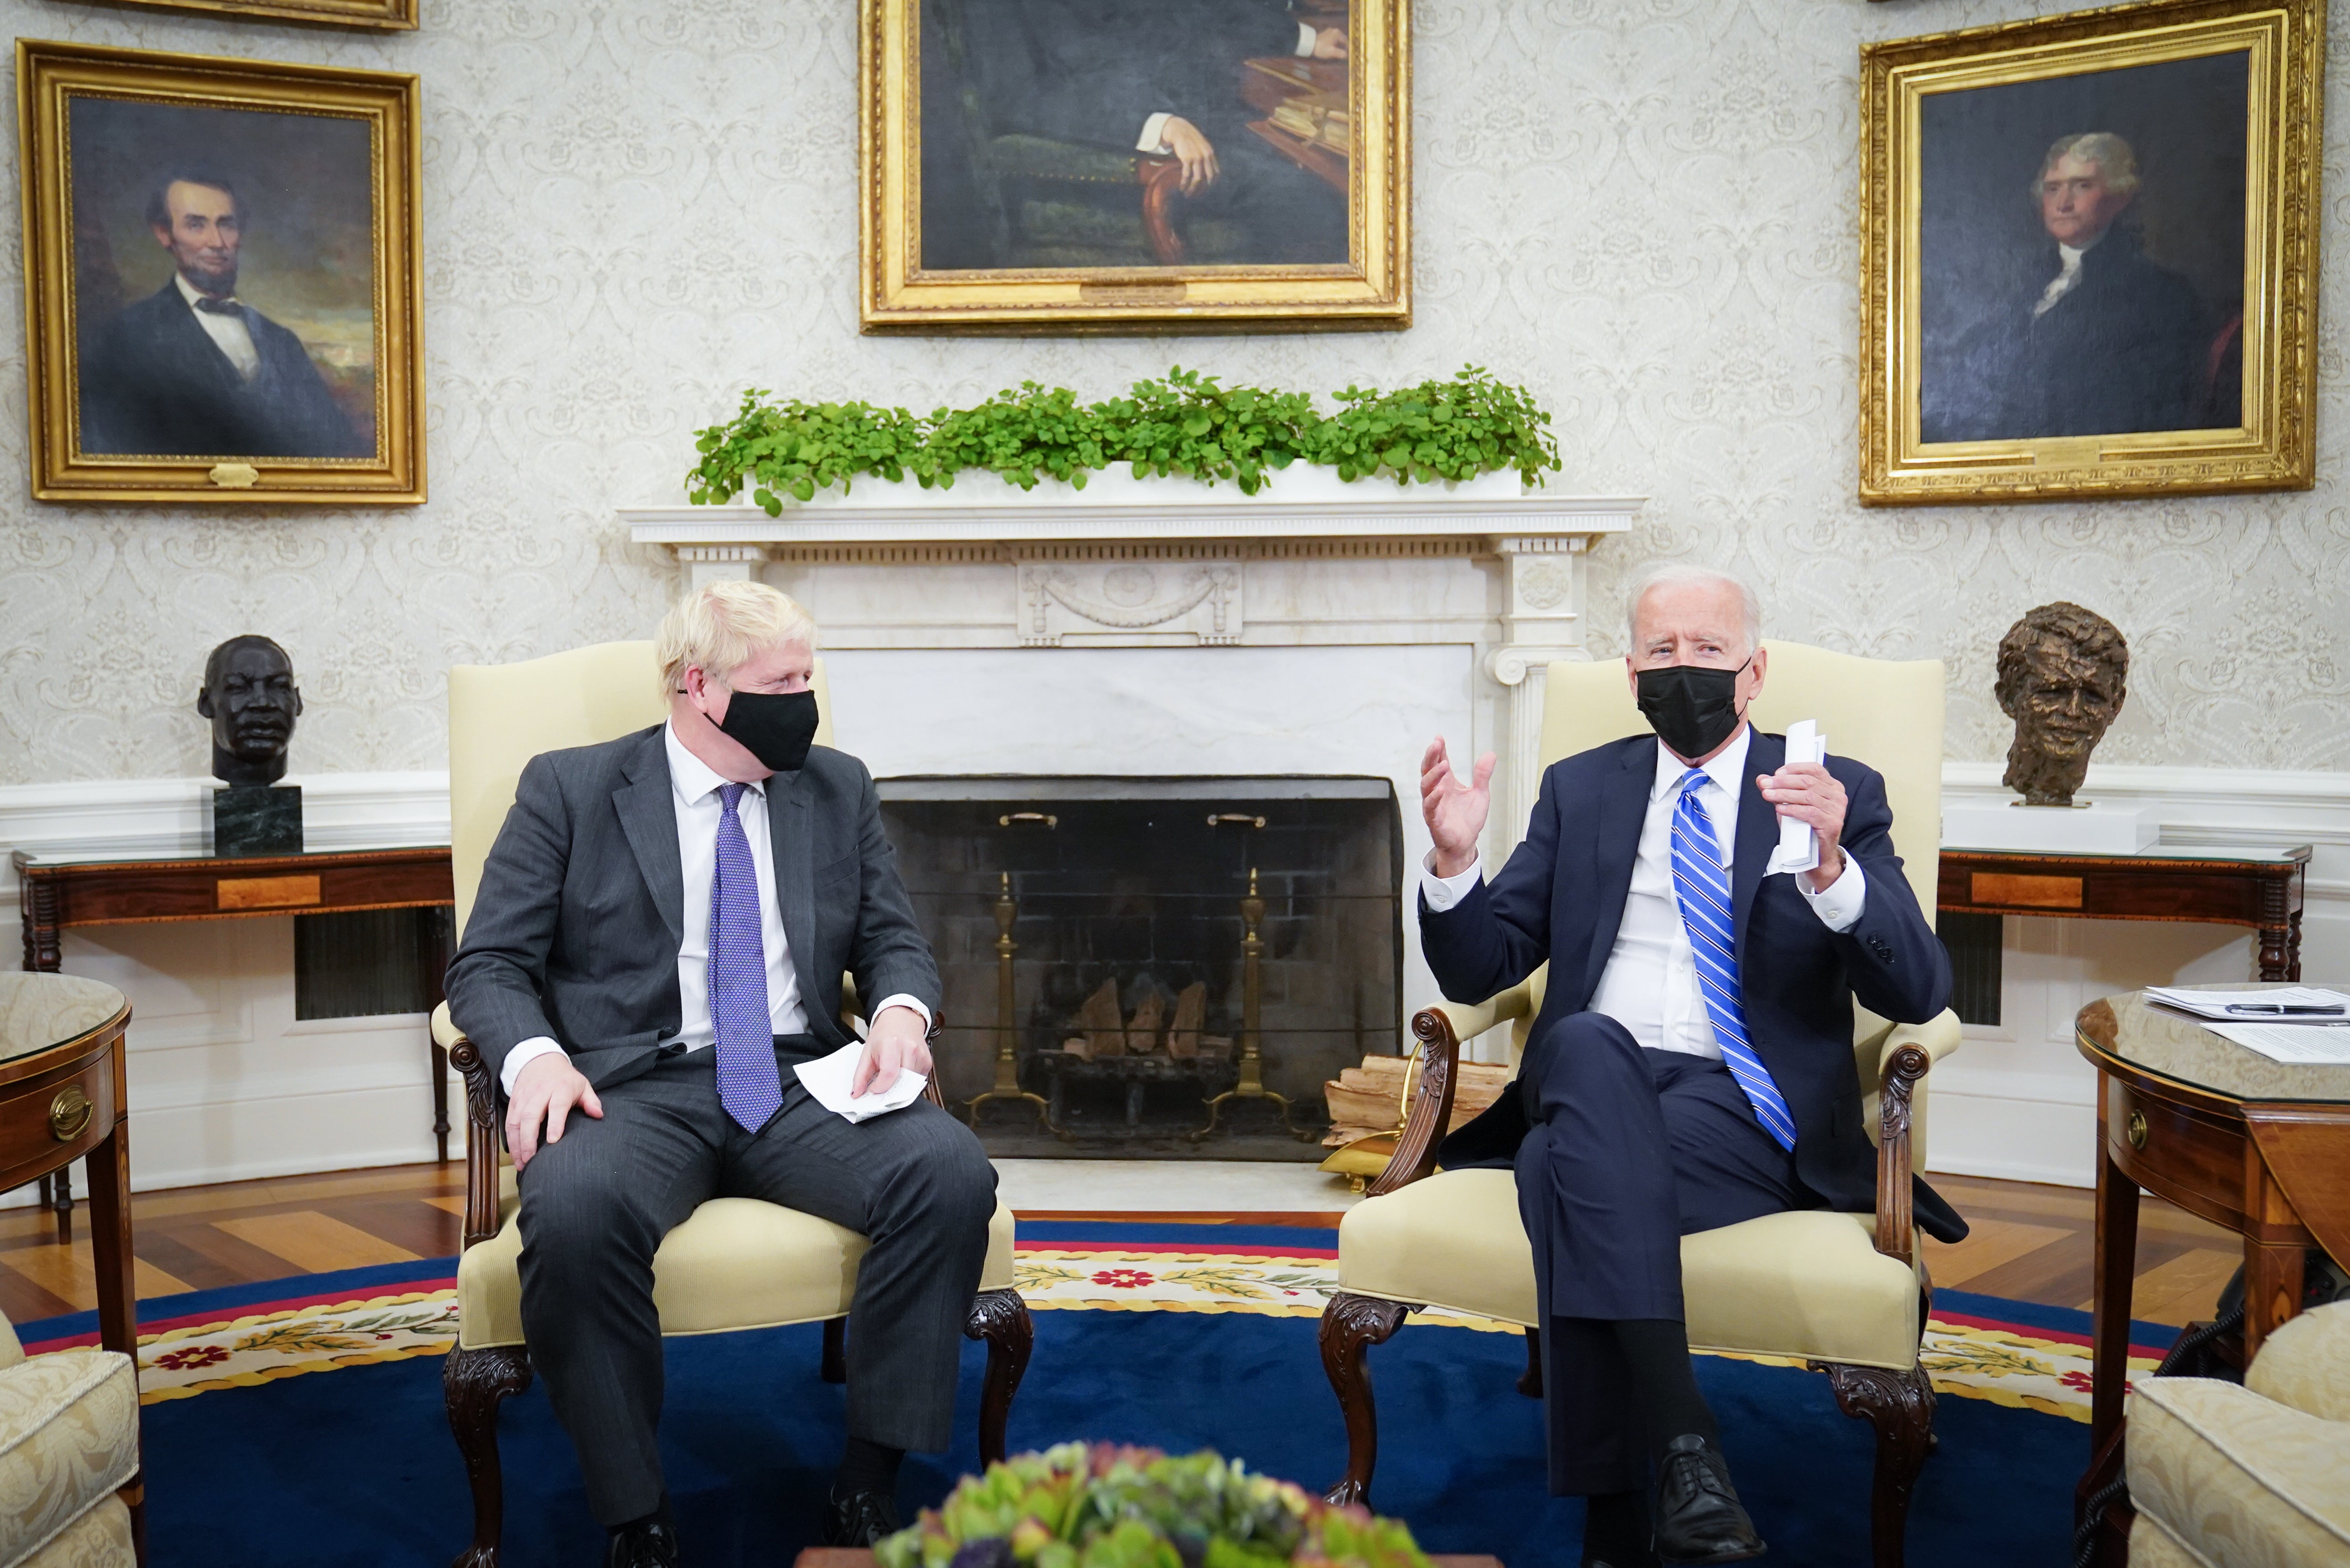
918,1185
595,1207
1628,1150
1291,216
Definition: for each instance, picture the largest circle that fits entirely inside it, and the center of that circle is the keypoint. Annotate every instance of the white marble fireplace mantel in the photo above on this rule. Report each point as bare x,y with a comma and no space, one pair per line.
1488,567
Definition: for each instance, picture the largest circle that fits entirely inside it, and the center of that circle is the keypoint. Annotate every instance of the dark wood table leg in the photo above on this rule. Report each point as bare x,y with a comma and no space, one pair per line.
440,1098
2272,1282
2109,1325
435,953
58,1188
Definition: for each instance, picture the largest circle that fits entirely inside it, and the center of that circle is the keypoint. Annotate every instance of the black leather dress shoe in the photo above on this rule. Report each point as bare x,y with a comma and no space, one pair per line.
646,1543
1698,1515
859,1518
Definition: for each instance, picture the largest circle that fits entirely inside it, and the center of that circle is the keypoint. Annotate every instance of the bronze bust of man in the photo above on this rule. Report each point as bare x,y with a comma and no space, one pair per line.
2063,673
250,696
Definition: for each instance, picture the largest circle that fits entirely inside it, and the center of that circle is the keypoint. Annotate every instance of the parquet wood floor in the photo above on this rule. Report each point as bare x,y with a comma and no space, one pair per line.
2029,1243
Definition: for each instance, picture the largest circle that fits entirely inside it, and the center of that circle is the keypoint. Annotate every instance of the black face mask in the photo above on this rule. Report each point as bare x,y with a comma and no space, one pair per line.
776,727
1693,709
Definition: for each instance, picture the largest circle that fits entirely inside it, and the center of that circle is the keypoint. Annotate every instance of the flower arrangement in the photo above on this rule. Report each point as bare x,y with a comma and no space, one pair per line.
1183,423
1107,1506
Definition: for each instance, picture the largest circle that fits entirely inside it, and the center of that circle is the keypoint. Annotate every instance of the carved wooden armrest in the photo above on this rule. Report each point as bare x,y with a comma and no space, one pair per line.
1896,1235
485,1139
1432,1108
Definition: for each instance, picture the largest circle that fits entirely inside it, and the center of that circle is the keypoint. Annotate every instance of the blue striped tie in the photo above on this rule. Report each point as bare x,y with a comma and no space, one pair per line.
1703,889
749,1085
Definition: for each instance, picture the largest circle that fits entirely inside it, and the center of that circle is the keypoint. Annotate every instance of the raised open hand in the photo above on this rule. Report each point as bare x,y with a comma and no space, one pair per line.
1455,812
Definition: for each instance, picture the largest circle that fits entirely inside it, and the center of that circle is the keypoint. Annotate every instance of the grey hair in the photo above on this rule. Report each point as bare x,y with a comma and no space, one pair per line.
1685,572
2109,152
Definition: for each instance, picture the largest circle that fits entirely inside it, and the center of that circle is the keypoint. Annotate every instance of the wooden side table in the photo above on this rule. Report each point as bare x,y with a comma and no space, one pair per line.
66,889
2257,887
61,1099
2259,1147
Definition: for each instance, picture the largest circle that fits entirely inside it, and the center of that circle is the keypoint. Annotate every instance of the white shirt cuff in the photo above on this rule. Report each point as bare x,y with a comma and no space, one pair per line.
1154,133
1840,905
1442,892
1305,38
900,999
524,1054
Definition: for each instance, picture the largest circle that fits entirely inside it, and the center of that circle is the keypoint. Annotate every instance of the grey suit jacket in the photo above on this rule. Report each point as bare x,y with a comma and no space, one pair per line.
575,930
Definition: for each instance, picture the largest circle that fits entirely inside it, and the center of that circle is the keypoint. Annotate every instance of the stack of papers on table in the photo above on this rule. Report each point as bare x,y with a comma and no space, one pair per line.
2318,1038
2269,1002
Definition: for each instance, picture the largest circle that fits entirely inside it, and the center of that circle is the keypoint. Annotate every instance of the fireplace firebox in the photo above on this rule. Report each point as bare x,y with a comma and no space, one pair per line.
1155,967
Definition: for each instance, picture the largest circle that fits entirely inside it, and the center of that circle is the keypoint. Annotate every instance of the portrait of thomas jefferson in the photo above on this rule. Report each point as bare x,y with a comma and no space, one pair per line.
2095,337
191,370
1043,120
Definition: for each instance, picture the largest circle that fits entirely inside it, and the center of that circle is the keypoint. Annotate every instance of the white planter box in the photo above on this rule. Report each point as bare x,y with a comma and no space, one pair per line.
2082,828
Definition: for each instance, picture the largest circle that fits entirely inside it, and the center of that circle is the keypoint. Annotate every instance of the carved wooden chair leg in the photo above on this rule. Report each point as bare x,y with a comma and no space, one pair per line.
1900,1406
473,1383
1351,1325
1000,1319
1530,1381
833,1367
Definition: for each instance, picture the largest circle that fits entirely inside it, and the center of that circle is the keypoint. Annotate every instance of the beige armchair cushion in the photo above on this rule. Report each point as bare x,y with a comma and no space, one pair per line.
99,1539
2234,1479
2307,1363
1810,1283
68,1439
735,1263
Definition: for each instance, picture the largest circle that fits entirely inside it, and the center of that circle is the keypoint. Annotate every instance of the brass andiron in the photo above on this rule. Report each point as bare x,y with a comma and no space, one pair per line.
1252,1083
1007,1063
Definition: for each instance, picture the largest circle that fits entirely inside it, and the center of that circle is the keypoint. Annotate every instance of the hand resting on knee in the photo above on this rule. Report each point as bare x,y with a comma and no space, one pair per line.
546,1092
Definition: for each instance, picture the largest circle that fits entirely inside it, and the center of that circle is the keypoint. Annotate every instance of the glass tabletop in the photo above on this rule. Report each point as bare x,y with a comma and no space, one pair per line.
39,1011
2179,1048
2248,854
132,854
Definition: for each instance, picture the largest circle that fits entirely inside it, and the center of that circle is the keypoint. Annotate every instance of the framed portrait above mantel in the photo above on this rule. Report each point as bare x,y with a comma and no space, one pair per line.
223,294
2089,255
1135,166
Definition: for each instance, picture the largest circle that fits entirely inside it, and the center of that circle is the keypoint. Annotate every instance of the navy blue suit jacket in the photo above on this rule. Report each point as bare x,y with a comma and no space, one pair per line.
155,384
1561,899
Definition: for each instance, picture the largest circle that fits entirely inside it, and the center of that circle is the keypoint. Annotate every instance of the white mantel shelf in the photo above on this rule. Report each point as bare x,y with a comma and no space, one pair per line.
1487,565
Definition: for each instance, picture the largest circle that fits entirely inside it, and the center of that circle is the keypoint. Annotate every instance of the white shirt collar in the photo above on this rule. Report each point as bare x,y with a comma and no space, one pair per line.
693,778
1726,768
191,293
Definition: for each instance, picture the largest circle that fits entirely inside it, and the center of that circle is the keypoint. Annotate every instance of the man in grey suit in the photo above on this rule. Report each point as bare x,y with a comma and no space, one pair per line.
659,938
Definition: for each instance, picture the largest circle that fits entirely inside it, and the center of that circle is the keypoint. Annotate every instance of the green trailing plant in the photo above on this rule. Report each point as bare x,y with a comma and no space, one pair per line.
1107,1506
1183,423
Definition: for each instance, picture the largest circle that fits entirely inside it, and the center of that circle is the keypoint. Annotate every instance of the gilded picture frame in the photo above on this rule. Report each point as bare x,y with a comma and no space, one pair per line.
1201,166
386,16
2137,320
224,294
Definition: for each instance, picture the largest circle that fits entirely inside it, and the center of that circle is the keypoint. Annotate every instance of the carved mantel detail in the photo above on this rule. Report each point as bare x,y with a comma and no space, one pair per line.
1127,563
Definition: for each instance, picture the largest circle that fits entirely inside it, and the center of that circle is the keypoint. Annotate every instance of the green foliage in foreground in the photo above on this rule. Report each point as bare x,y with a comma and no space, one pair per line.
1111,1507
1184,424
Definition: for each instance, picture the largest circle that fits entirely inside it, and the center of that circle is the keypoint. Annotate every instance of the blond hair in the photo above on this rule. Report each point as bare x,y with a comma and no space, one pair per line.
721,626
2115,160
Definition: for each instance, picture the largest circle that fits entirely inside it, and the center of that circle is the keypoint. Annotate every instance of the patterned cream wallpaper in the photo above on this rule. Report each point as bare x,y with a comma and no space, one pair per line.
634,207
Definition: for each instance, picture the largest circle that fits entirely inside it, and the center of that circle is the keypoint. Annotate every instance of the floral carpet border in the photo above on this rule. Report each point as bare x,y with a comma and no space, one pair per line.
1975,1359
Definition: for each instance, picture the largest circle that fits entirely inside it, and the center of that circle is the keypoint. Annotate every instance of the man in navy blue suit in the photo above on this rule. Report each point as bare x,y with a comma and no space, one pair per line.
1692,1066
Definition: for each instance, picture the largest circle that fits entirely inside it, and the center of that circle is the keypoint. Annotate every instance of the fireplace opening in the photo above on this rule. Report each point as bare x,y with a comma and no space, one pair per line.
1154,967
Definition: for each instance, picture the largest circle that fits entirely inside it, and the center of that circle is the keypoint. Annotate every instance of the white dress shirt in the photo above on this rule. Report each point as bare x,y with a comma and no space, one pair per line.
1649,985
226,328
1154,130
693,792
2067,278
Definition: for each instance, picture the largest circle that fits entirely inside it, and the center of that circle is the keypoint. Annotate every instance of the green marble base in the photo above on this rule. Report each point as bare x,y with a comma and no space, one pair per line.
257,819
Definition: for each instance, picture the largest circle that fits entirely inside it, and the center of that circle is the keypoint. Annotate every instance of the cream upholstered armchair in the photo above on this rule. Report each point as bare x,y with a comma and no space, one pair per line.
2252,1476
1846,1293
68,1445
735,1263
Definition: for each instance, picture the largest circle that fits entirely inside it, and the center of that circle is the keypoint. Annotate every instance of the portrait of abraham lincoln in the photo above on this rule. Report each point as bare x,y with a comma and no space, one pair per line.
223,282
1125,133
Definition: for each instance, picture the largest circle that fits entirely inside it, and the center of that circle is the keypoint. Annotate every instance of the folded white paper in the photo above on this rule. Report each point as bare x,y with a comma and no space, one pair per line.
2294,1043
1799,846
828,1079
2256,1006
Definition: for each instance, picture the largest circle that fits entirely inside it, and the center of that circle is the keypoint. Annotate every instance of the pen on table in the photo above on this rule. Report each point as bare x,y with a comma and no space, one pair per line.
2302,1008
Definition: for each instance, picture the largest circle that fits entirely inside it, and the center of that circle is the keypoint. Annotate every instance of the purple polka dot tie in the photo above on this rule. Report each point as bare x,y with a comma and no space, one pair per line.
748,1086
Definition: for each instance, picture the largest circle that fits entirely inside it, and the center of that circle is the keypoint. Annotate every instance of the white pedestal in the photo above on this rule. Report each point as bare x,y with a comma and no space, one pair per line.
2082,828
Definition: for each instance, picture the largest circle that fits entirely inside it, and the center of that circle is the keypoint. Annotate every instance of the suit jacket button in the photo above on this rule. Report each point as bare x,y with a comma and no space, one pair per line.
1877,945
